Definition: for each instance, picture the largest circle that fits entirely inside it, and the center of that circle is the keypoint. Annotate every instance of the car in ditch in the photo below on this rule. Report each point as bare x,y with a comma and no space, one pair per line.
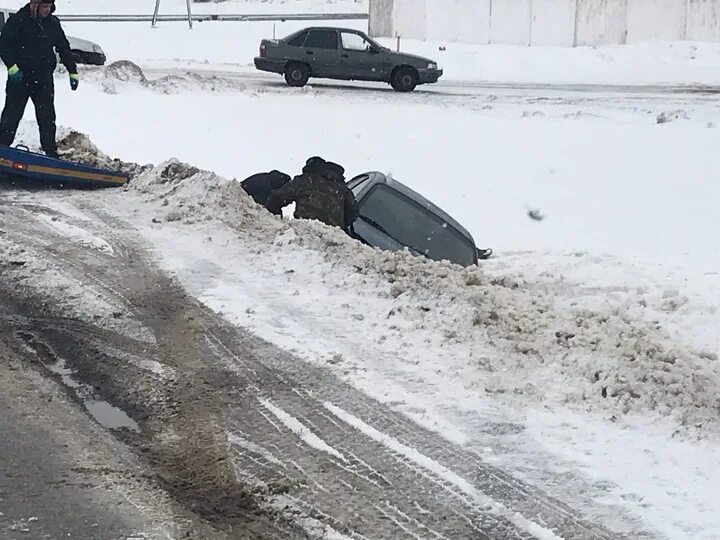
394,217
84,51
343,54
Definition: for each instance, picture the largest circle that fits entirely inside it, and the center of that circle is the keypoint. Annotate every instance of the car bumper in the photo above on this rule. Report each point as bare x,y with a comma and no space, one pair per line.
429,75
266,64
89,58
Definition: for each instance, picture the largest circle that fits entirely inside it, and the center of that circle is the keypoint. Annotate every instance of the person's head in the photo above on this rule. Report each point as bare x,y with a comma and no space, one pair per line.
41,8
314,165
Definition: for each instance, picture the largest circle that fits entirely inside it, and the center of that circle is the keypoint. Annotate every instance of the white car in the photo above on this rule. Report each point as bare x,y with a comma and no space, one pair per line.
84,51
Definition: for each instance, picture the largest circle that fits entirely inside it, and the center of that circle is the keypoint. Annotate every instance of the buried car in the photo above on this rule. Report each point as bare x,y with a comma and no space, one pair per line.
84,51
394,217
344,54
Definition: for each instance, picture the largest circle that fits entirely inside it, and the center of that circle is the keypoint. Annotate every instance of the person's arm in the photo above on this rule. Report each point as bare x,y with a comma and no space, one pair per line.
62,45
9,42
280,198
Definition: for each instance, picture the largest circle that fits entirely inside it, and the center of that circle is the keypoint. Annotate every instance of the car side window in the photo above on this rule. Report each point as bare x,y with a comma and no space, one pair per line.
298,40
322,39
354,42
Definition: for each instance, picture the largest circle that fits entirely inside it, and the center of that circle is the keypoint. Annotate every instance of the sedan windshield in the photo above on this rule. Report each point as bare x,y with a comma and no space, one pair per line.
415,227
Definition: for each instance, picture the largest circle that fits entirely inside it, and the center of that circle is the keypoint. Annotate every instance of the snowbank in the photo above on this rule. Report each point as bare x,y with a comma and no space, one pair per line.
517,345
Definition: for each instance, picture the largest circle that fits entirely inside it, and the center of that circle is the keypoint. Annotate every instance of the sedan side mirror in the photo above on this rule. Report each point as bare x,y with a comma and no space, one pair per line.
373,50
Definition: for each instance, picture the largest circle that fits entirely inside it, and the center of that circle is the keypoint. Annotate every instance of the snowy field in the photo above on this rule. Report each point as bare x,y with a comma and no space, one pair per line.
597,329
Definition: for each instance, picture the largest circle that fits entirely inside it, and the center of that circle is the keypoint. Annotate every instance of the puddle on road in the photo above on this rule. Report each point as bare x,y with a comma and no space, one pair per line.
107,415
110,416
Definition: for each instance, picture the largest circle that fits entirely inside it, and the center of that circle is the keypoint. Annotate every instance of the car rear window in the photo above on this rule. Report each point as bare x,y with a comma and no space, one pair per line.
322,39
298,40
416,227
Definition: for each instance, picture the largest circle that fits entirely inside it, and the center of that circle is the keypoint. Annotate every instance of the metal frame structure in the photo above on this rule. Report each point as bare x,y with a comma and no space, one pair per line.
230,17
157,11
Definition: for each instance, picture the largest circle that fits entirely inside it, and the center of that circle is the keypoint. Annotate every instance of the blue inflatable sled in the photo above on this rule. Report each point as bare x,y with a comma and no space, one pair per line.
21,164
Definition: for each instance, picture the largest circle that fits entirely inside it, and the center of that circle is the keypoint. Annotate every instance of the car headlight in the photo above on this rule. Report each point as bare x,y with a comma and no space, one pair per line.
432,65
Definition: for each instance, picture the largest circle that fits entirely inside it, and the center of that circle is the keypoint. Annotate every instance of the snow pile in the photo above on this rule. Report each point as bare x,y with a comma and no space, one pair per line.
124,75
671,116
520,346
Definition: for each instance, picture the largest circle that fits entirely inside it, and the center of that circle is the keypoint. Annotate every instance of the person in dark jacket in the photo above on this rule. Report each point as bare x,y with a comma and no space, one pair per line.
27,47
317,196
259,186
318,165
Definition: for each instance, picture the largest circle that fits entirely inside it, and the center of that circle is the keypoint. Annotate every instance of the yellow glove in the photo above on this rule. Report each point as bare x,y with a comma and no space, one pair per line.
14,74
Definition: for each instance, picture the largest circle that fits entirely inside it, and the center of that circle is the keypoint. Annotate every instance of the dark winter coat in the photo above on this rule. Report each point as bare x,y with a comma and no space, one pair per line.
317,165
31,42
317,197
259,186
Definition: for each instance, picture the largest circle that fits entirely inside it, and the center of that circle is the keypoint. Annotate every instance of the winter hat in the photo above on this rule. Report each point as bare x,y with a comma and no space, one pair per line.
314,165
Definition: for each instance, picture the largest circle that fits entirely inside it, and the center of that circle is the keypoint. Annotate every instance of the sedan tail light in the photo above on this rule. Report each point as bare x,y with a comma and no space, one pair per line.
263,50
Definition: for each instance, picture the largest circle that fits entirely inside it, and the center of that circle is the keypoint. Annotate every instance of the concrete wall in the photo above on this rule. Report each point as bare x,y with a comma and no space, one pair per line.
410,19
553,22
380,22
703,20
466,21
649,20
510,22
600,22
547,22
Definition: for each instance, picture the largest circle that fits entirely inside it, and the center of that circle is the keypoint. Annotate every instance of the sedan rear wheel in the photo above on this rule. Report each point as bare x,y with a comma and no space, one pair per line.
297,74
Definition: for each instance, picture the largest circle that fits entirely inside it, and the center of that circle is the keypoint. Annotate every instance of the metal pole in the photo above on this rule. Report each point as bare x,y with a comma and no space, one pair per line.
189,15
155,15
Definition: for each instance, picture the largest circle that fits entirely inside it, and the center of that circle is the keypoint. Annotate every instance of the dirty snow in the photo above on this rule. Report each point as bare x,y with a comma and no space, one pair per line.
73,232
25,267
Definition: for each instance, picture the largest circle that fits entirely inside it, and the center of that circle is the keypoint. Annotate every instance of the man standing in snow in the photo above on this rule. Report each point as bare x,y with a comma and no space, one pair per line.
317,195
27,47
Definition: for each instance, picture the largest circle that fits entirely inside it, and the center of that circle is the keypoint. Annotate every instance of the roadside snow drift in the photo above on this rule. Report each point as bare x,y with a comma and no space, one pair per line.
503,337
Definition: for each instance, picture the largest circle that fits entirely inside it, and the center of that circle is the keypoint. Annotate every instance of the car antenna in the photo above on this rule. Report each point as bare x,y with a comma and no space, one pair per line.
157,10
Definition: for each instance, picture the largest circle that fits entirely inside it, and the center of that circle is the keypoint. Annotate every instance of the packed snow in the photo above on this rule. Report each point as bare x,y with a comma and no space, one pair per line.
595,327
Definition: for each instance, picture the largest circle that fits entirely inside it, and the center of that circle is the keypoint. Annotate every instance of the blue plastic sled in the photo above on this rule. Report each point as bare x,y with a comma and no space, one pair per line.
17,163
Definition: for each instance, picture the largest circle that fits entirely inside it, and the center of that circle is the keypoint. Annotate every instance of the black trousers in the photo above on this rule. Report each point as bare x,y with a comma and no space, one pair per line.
42,95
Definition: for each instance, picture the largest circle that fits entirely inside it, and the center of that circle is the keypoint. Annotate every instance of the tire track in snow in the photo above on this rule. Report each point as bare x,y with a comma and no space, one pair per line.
539,532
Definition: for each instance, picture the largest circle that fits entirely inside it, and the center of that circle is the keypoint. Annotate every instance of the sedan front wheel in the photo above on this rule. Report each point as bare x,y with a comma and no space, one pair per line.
404,79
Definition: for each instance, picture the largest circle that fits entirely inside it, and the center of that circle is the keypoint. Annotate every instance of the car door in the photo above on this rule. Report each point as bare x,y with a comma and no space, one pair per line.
359,58
322,54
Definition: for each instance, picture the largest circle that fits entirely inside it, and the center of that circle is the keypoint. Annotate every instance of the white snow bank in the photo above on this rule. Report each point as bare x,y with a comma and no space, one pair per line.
506,337
679,63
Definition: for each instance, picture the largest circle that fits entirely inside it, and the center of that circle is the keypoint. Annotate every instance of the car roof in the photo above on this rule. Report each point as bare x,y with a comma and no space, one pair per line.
336,28
376,178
